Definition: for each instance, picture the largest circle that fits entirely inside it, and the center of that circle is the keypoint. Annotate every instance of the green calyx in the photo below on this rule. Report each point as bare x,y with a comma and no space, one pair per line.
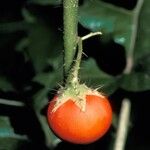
76,93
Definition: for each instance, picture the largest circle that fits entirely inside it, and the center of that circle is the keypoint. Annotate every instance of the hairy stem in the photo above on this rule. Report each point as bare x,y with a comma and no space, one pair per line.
73,75
70,32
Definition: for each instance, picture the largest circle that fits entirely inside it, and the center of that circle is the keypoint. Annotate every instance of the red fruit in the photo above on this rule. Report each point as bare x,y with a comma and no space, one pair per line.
72,124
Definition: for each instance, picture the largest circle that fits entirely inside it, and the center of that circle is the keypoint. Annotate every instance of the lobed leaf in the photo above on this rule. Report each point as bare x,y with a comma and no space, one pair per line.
111,20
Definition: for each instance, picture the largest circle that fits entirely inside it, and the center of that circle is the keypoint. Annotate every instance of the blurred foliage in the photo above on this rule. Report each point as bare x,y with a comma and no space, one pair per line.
5,85
31,56
99,16
8,139
97,76
46,2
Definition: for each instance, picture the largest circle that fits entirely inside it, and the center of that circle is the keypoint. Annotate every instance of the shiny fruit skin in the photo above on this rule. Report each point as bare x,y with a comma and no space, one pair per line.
71,124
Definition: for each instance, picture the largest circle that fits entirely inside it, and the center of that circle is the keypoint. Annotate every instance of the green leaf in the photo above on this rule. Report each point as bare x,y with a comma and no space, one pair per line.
5,85
43,45
40,100
143,64
11,27
49,80
94,77
22,44
136,82
46,2
8,139
28,16
112,20
139,79
142,47
43,41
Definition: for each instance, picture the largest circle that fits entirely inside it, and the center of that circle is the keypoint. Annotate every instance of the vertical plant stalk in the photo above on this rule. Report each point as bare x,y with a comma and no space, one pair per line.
70,32
123,126
136,13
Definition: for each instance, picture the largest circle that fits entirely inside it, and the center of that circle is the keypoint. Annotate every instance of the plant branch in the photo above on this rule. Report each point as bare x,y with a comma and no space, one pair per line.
73,75
11,103
70,32
90,35
123,125
126,105
136,13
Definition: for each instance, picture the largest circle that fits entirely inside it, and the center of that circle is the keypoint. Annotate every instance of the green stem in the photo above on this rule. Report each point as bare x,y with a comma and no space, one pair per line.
73,76
90,35
79,57
70,32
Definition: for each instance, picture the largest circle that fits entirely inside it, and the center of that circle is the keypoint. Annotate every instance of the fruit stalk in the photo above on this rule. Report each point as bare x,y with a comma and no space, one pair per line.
70,32
73,76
